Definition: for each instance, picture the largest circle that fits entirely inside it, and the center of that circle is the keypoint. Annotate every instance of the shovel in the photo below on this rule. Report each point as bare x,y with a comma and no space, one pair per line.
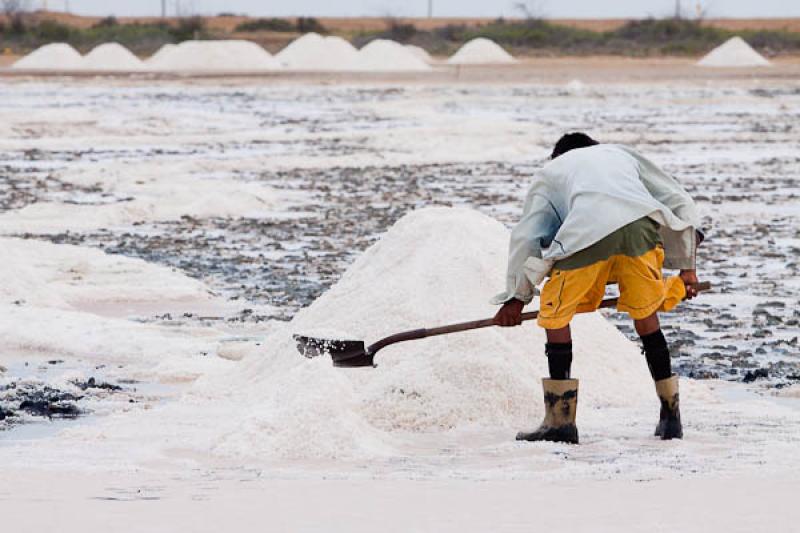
353,354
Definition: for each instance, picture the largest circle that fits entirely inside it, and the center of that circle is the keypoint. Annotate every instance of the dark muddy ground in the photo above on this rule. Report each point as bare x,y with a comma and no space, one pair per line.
749,332
36,393
726,144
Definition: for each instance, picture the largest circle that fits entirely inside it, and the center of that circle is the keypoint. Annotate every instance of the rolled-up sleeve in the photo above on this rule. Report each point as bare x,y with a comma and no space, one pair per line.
534,231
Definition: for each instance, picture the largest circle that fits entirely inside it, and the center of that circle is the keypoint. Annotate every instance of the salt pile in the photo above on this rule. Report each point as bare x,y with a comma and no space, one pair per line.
385,55
54,56
480,51
420,52
72,277
111,56
575,87
434,266
161,53
735,52
219,56
315,52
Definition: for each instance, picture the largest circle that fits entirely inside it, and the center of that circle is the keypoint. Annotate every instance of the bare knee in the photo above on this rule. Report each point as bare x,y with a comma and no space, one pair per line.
647,325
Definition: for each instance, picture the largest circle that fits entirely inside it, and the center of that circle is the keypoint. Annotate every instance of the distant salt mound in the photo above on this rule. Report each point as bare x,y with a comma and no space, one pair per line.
433,267
161,53
382,55
420,52
54,56
111,56
315,52
735,52
480,51
214,56
575,86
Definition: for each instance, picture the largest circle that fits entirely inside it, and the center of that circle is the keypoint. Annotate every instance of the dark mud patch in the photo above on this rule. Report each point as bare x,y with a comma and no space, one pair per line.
25,401
22,185
37,400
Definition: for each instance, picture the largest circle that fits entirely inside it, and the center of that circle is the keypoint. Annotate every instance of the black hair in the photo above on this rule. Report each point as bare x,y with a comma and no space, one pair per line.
571,141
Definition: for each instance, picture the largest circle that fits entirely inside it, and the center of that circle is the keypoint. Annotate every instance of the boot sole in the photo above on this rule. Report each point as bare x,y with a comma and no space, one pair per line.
565,434
672,429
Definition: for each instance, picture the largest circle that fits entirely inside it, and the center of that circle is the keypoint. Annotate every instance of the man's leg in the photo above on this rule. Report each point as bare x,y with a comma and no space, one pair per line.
655,346
560,392
559,352
657,354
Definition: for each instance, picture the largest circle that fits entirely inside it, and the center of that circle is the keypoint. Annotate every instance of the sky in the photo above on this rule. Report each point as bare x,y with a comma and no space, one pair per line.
443,8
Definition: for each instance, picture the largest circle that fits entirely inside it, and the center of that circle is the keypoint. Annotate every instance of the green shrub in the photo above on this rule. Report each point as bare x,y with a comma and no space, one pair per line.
139,38
400,32
273,24
51,31
189,28
451,32
635,38
309,24
534,33
107,22
773,41
17,23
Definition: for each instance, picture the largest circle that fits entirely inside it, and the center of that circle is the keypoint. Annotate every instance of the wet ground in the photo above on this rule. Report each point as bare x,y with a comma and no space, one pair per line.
728,146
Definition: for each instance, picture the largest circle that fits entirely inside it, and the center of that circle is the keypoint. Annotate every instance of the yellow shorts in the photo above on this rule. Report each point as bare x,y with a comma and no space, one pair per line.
642,288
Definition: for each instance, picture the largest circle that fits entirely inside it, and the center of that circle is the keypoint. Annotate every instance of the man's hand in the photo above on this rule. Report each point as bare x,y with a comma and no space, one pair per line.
510,314
689,278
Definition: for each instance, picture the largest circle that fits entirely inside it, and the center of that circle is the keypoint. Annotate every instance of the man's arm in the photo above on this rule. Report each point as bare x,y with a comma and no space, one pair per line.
534,231
510,314
689,276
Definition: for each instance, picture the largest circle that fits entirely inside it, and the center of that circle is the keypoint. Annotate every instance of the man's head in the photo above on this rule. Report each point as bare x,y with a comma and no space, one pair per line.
570,141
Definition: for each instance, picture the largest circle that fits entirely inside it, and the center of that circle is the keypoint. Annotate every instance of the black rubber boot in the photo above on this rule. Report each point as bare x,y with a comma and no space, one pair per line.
560,407
669,423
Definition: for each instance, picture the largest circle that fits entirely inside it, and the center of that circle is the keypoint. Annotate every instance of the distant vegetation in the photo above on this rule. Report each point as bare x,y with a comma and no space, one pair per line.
533,36
140,38
23,33
300,25
636,38
272,24
308,24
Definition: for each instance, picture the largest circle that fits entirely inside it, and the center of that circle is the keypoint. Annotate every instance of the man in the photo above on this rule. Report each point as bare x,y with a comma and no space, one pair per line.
599,214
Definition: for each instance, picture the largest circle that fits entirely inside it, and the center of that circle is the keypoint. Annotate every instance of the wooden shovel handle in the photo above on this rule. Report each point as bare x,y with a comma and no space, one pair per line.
477,324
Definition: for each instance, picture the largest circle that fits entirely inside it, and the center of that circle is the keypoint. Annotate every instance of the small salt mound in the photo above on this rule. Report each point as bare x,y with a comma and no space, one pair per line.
315,52
161,53
480,51
385,55
420,52
54,56
735,52
575,87
433,267
111,56
214,56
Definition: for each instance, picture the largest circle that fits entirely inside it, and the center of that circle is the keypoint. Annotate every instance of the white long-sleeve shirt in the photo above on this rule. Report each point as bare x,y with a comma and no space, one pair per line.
586,194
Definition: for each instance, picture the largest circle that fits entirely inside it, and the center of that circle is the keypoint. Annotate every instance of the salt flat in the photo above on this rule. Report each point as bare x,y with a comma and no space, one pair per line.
266,194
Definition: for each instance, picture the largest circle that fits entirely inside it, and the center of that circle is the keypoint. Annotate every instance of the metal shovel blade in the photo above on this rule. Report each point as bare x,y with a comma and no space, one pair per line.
345,354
